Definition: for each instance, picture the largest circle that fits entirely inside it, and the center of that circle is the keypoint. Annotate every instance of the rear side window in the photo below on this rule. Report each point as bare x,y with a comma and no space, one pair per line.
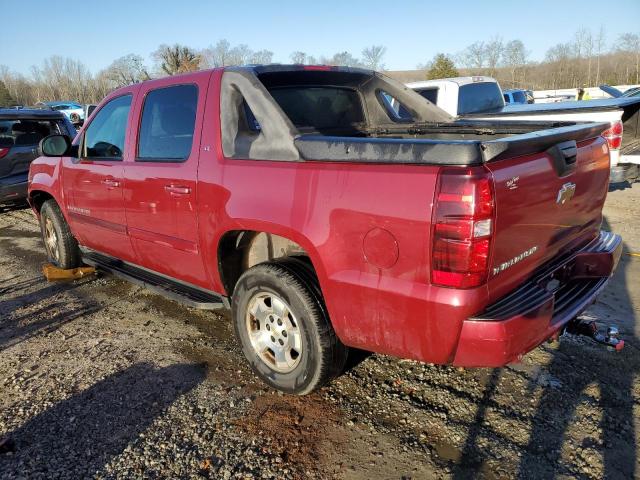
26,133
167,125
479,97
104,137
320,107
396,110
430,94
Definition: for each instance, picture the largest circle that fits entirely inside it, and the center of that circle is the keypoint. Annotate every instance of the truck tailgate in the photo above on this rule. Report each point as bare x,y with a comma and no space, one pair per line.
547,204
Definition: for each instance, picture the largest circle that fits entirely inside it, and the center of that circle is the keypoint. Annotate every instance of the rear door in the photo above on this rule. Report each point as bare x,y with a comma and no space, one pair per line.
92,182
547,204
161,178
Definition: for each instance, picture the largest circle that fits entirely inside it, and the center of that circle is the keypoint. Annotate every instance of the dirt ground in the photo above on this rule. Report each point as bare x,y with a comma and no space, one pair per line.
99,378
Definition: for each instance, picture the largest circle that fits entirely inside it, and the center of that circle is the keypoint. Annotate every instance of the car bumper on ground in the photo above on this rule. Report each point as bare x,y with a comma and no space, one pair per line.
539,309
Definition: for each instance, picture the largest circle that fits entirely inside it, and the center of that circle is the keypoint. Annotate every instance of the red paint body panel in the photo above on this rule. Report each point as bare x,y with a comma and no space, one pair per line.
385,303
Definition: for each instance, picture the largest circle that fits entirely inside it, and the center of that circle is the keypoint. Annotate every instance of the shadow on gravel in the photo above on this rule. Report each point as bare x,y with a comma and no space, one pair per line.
577,364
613,374
15,328
10,207
76,437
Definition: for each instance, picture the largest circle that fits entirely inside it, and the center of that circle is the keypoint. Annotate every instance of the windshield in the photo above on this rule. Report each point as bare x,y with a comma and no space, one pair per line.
479,97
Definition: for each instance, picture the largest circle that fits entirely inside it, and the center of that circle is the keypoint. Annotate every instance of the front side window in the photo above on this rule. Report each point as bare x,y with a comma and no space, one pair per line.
104,138
168,122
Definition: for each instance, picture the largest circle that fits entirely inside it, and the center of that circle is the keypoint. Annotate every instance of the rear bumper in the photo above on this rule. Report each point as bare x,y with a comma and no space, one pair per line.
539,309
13,188
622,173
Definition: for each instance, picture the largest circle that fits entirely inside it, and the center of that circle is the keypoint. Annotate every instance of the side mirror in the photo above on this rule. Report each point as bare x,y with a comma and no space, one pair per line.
54,146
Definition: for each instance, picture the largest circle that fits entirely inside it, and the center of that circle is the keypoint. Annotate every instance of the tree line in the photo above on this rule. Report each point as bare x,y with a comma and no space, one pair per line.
61,78
586,59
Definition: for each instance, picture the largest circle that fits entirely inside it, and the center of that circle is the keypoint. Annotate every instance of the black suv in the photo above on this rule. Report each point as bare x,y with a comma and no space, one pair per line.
20,132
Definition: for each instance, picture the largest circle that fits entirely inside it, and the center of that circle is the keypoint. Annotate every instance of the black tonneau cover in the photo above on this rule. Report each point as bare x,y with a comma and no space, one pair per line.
439,152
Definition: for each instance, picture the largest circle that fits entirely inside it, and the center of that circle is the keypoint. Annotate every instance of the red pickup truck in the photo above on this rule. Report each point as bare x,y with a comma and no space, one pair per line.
332,208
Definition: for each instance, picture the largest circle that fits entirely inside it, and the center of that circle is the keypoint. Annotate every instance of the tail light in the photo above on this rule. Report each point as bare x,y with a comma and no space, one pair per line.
4,151
462,226
613,135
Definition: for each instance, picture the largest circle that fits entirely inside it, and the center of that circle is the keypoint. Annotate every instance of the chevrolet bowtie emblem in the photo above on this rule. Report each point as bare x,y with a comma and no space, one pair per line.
566,193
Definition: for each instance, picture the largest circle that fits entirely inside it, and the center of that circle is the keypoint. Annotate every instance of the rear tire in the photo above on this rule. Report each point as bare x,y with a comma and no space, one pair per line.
61,246
283,328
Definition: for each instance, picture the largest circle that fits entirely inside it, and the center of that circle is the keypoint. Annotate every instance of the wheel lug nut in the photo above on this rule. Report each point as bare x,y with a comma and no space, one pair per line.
284,333
279,322
280,342
268,327
273,339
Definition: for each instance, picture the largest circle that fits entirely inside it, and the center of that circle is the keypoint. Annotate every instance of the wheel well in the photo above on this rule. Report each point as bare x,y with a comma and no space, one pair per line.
37,198
240,250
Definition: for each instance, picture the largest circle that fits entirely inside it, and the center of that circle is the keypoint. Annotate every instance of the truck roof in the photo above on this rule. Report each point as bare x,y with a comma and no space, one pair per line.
29,114
457,80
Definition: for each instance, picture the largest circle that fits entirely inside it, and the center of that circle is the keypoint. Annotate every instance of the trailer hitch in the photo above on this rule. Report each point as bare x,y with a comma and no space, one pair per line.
589,328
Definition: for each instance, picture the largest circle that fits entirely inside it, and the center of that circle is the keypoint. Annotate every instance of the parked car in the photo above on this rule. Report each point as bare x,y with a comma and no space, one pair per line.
74,111
325,219
515,96
20,132
480,98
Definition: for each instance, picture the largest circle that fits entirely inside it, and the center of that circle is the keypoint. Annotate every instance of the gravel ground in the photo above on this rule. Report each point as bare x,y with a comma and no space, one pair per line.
99,378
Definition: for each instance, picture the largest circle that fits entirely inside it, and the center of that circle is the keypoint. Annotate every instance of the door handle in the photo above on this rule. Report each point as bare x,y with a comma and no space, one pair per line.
111,183
177,189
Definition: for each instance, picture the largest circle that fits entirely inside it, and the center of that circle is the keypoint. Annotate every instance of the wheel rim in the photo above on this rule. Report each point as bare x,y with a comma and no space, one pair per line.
51,239
274,332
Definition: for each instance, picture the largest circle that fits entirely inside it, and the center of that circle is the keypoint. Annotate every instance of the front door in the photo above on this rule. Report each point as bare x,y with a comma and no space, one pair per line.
161,181
93,181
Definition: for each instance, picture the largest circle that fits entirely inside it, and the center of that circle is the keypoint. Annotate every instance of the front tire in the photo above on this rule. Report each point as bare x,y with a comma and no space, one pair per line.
285,333
61,246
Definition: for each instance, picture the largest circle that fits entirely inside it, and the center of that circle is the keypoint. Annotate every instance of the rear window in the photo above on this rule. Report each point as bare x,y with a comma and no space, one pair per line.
430,94
320,107
26,133
519,97
479,97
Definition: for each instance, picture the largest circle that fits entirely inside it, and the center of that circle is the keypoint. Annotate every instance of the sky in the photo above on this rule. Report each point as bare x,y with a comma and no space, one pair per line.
97,32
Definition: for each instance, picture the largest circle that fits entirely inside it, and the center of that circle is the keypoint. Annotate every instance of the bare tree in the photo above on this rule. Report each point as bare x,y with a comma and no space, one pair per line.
342,59
298,57
176,59
372,57
514,57
240,55
127,70
493,53
473,56
600,44
263,57
630,44
218,55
